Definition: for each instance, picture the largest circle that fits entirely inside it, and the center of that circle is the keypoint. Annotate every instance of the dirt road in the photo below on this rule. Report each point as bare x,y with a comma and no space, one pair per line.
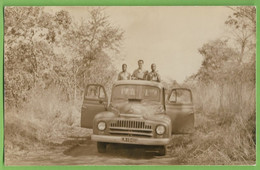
83,151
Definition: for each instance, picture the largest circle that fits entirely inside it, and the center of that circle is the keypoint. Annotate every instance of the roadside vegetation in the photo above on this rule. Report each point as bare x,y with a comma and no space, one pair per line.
50,58
224,95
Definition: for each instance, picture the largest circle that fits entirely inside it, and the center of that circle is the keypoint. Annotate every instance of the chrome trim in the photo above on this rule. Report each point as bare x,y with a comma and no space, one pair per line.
137,128
131,133
139,141
131,124
132,129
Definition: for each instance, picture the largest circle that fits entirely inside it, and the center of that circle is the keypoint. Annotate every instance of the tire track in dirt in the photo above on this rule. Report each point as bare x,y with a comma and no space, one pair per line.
84,152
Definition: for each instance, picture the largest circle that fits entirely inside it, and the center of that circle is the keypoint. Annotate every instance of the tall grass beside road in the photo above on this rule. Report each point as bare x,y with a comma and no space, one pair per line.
46,118
224,133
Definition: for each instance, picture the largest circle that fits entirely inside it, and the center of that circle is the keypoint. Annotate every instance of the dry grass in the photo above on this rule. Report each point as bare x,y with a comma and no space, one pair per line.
221,136
215,143
45,119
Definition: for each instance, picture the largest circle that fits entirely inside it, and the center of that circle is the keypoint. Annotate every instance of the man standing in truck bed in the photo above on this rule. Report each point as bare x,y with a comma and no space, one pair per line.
140,73
124,75
154,75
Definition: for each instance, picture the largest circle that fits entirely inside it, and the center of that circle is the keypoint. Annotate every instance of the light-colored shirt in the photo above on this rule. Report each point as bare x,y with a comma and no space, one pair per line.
140,74
154,76
124,76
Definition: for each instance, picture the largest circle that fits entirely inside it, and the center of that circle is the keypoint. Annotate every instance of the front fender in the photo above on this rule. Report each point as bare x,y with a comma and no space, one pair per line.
102,116
159,117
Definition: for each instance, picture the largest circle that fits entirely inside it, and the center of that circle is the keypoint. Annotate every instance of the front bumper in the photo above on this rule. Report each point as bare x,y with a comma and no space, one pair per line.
130,140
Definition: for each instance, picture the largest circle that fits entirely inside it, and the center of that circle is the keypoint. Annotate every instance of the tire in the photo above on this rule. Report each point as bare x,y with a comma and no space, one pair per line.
101,146
161,151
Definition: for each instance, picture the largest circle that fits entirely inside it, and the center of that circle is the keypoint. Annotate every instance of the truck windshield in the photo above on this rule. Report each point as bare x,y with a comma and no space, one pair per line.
139,92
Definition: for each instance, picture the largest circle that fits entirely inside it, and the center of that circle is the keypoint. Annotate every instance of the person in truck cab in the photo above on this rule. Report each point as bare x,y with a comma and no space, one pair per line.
140,73
124,75
154,75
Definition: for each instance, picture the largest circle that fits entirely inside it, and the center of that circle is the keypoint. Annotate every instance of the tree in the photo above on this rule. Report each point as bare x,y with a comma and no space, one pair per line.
27,49
43,50
89,41
218,58
243,29
230,62
31,37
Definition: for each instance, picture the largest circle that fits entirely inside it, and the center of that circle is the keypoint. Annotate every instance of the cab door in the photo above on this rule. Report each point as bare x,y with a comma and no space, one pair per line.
179,107
95,101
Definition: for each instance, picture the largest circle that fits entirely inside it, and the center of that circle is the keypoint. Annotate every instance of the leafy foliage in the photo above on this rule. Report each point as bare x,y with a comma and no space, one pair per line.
231,60
43,50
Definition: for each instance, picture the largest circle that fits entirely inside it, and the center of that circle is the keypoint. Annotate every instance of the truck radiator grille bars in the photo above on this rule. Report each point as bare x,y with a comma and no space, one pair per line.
131,128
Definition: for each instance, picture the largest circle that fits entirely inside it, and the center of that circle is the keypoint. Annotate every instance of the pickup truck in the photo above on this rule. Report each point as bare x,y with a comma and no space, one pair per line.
139,113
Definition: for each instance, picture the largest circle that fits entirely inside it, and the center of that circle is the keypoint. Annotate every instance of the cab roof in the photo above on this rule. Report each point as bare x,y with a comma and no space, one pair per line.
139,82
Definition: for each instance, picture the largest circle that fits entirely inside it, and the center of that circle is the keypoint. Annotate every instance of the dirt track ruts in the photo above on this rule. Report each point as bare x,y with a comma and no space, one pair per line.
84,152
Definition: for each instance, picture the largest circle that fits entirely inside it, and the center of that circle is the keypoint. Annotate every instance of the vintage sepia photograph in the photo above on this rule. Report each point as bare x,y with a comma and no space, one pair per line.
129,85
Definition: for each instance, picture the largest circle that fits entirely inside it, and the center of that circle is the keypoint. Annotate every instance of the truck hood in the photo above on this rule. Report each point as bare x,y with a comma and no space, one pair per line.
148,111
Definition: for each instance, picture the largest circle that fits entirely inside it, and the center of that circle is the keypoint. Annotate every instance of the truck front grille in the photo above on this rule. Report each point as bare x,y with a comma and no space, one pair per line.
130,128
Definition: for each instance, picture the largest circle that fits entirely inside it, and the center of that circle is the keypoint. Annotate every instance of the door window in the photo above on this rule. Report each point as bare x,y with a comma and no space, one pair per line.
172,98
180,96
95,92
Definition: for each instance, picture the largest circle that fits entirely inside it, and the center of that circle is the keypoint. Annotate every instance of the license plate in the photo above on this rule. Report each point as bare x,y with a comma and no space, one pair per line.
129,140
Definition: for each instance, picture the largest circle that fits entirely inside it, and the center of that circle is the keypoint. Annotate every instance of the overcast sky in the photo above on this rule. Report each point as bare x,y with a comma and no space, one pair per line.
167,36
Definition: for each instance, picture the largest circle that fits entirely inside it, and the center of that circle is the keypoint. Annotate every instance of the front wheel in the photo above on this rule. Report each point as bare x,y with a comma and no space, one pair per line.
101,146
162,151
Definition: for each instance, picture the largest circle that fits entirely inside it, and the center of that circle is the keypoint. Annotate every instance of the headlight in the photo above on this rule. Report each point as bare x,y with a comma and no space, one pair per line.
160,129
101,126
